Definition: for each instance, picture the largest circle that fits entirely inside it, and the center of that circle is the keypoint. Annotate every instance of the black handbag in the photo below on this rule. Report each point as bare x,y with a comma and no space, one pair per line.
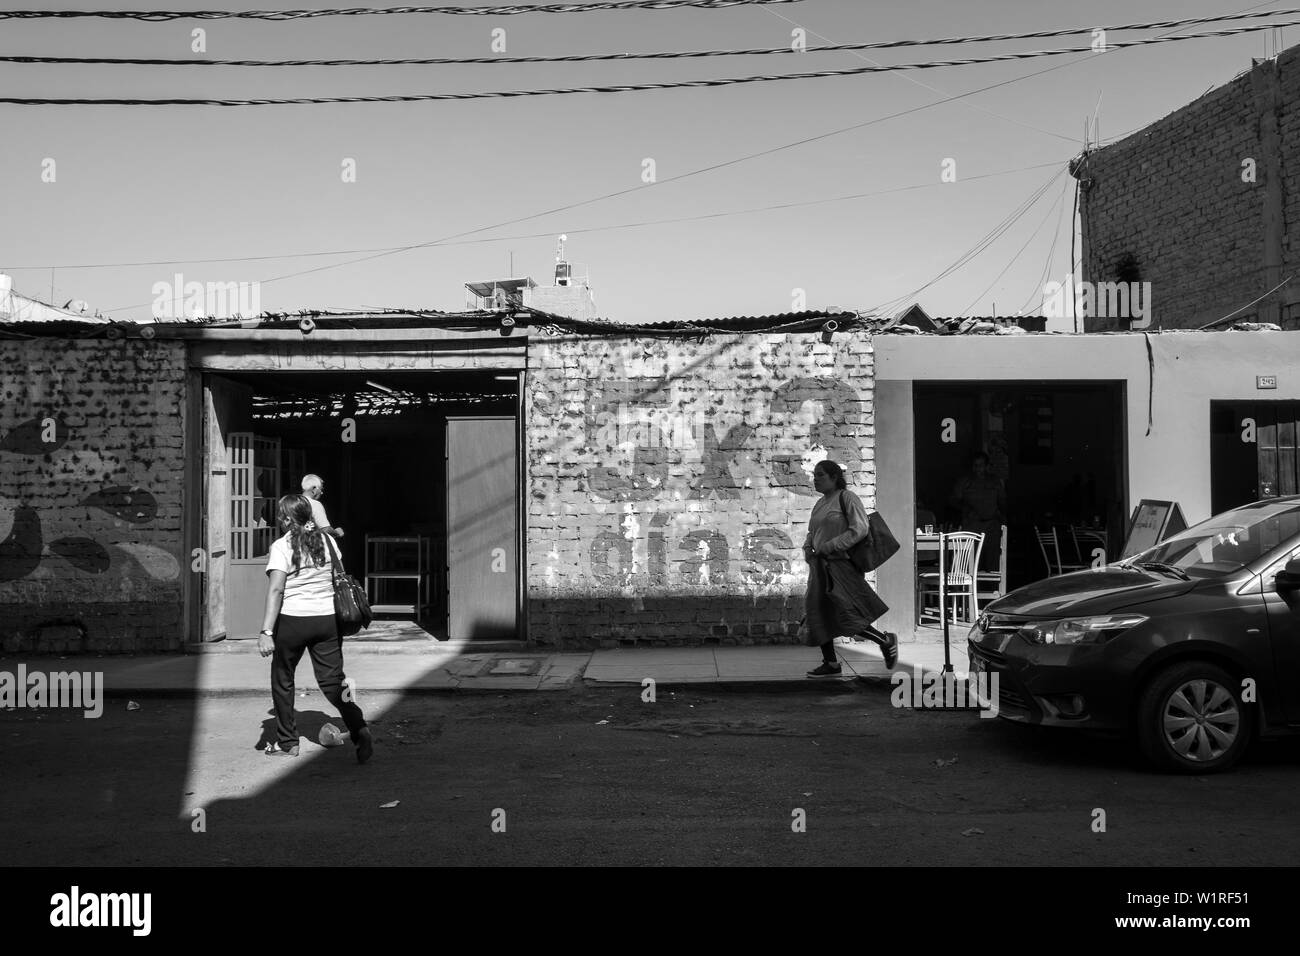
876,548
351,606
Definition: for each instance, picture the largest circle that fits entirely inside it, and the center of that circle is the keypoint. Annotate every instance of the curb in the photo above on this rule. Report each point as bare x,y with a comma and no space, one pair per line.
191,693
807,685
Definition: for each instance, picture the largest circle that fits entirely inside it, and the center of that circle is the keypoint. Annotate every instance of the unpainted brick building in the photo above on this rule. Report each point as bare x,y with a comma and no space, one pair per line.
670,481
1203,205
92,492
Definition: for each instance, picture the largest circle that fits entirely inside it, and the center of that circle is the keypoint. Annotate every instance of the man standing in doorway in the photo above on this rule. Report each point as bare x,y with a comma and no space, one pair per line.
982,498
313,487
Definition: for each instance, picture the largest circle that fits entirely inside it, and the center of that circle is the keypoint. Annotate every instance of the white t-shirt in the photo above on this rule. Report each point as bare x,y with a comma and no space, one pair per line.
318,513
309,591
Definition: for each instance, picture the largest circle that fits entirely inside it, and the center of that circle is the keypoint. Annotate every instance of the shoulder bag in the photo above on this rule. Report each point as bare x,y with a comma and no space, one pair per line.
351,607
876,548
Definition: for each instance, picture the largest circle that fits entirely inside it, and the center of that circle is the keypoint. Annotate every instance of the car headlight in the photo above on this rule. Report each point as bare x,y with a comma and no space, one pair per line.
1080,630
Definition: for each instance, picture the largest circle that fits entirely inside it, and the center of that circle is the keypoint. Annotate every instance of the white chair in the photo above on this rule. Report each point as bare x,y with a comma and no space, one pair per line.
958,582
991,585
1050,546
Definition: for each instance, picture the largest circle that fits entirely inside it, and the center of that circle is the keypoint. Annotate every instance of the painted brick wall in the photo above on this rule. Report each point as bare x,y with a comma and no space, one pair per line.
670,482
91,471
1173,198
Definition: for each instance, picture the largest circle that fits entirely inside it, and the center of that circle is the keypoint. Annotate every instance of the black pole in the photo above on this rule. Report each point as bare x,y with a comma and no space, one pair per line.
943,600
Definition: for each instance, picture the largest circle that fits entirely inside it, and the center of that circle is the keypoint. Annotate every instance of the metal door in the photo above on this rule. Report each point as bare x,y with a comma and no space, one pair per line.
482,528
225,406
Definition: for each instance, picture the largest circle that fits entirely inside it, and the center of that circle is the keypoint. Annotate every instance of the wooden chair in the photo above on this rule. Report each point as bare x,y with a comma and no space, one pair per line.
958,583
991,585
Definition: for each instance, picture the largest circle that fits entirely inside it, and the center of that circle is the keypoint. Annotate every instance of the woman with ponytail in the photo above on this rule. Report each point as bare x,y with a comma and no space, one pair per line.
300,617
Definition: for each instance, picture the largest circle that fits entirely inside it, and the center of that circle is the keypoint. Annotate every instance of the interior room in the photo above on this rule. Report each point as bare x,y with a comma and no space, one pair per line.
384,445
1058,448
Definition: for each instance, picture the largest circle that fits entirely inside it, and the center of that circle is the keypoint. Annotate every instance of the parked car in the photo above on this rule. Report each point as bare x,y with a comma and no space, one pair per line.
1192,648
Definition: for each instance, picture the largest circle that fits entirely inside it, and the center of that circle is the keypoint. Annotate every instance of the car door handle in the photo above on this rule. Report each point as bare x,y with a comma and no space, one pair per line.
1252,630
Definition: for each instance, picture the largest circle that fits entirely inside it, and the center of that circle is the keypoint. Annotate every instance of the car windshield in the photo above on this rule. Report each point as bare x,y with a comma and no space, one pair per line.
1229,541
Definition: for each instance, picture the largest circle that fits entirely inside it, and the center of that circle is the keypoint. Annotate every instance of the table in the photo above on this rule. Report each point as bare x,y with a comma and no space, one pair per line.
925,542
392,558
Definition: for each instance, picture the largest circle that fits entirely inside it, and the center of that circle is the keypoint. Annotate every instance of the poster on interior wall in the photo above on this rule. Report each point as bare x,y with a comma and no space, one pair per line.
1036,428
1152,522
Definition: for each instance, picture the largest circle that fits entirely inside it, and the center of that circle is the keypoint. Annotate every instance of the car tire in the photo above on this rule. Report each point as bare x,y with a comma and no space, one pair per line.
1191,719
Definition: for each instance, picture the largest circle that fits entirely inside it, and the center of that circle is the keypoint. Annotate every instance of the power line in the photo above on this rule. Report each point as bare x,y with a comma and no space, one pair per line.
714,167
635,224
970,254
927,86
1016,258
597,57
1247,305
1244,13
626,88
159,16
1051,252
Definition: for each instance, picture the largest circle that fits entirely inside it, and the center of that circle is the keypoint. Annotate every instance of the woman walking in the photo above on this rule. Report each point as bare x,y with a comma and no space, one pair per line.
839,600
300,617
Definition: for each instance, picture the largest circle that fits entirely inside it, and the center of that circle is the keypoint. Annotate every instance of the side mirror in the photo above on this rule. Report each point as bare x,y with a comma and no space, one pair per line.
1288,579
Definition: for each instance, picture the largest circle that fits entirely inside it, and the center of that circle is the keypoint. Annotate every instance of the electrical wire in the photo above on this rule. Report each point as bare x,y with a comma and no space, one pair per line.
1016,257
622,88
596,57
1051,252
1247,305
915,81
714,167
542,235
983,243
506,10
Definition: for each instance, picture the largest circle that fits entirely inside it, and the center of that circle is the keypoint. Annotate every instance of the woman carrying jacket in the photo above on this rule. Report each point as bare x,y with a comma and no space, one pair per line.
839,601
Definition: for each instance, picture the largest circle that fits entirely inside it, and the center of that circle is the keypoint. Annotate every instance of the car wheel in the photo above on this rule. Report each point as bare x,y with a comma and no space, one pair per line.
1191,719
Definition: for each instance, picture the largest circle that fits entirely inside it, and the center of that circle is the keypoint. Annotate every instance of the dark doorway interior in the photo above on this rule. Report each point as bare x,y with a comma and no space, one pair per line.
378,440
1058,447
1253,452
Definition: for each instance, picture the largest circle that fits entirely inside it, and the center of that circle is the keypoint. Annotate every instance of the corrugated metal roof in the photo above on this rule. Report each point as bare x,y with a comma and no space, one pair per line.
19,308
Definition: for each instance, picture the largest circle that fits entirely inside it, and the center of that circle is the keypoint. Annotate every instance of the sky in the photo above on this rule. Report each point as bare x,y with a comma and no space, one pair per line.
140,197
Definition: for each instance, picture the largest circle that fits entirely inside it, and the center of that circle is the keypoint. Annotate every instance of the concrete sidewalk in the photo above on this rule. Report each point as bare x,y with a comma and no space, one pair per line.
450,667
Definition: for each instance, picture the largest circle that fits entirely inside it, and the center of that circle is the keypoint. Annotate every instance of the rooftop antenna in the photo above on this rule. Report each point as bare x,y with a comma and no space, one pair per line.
562,271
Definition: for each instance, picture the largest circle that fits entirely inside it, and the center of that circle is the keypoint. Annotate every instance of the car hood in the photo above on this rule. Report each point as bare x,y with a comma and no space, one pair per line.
1097,591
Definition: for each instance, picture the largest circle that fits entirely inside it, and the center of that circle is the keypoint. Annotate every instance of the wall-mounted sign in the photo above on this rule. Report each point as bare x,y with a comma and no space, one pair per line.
1266,381
1152,522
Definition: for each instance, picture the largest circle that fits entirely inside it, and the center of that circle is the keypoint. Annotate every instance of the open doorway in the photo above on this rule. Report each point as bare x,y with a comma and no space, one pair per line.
402,458
1058,448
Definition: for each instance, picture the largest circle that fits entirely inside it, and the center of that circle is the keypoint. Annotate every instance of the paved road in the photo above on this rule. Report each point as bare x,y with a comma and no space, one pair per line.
597,776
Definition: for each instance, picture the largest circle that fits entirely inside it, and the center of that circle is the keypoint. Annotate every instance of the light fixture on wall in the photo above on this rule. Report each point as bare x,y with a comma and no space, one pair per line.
507,324
382,388
148,332
306,326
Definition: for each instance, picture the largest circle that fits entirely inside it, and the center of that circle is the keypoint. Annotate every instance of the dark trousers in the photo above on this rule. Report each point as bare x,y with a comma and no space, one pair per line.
319,637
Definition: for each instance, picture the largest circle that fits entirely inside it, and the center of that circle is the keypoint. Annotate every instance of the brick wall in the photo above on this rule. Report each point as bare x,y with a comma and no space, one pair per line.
670,482
91,471
1176,201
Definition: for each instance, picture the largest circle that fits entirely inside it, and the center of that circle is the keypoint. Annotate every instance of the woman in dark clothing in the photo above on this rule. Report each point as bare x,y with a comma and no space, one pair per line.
839,600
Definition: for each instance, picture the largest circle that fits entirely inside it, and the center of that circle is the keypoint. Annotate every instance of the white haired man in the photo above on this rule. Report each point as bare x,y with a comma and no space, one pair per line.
313,487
